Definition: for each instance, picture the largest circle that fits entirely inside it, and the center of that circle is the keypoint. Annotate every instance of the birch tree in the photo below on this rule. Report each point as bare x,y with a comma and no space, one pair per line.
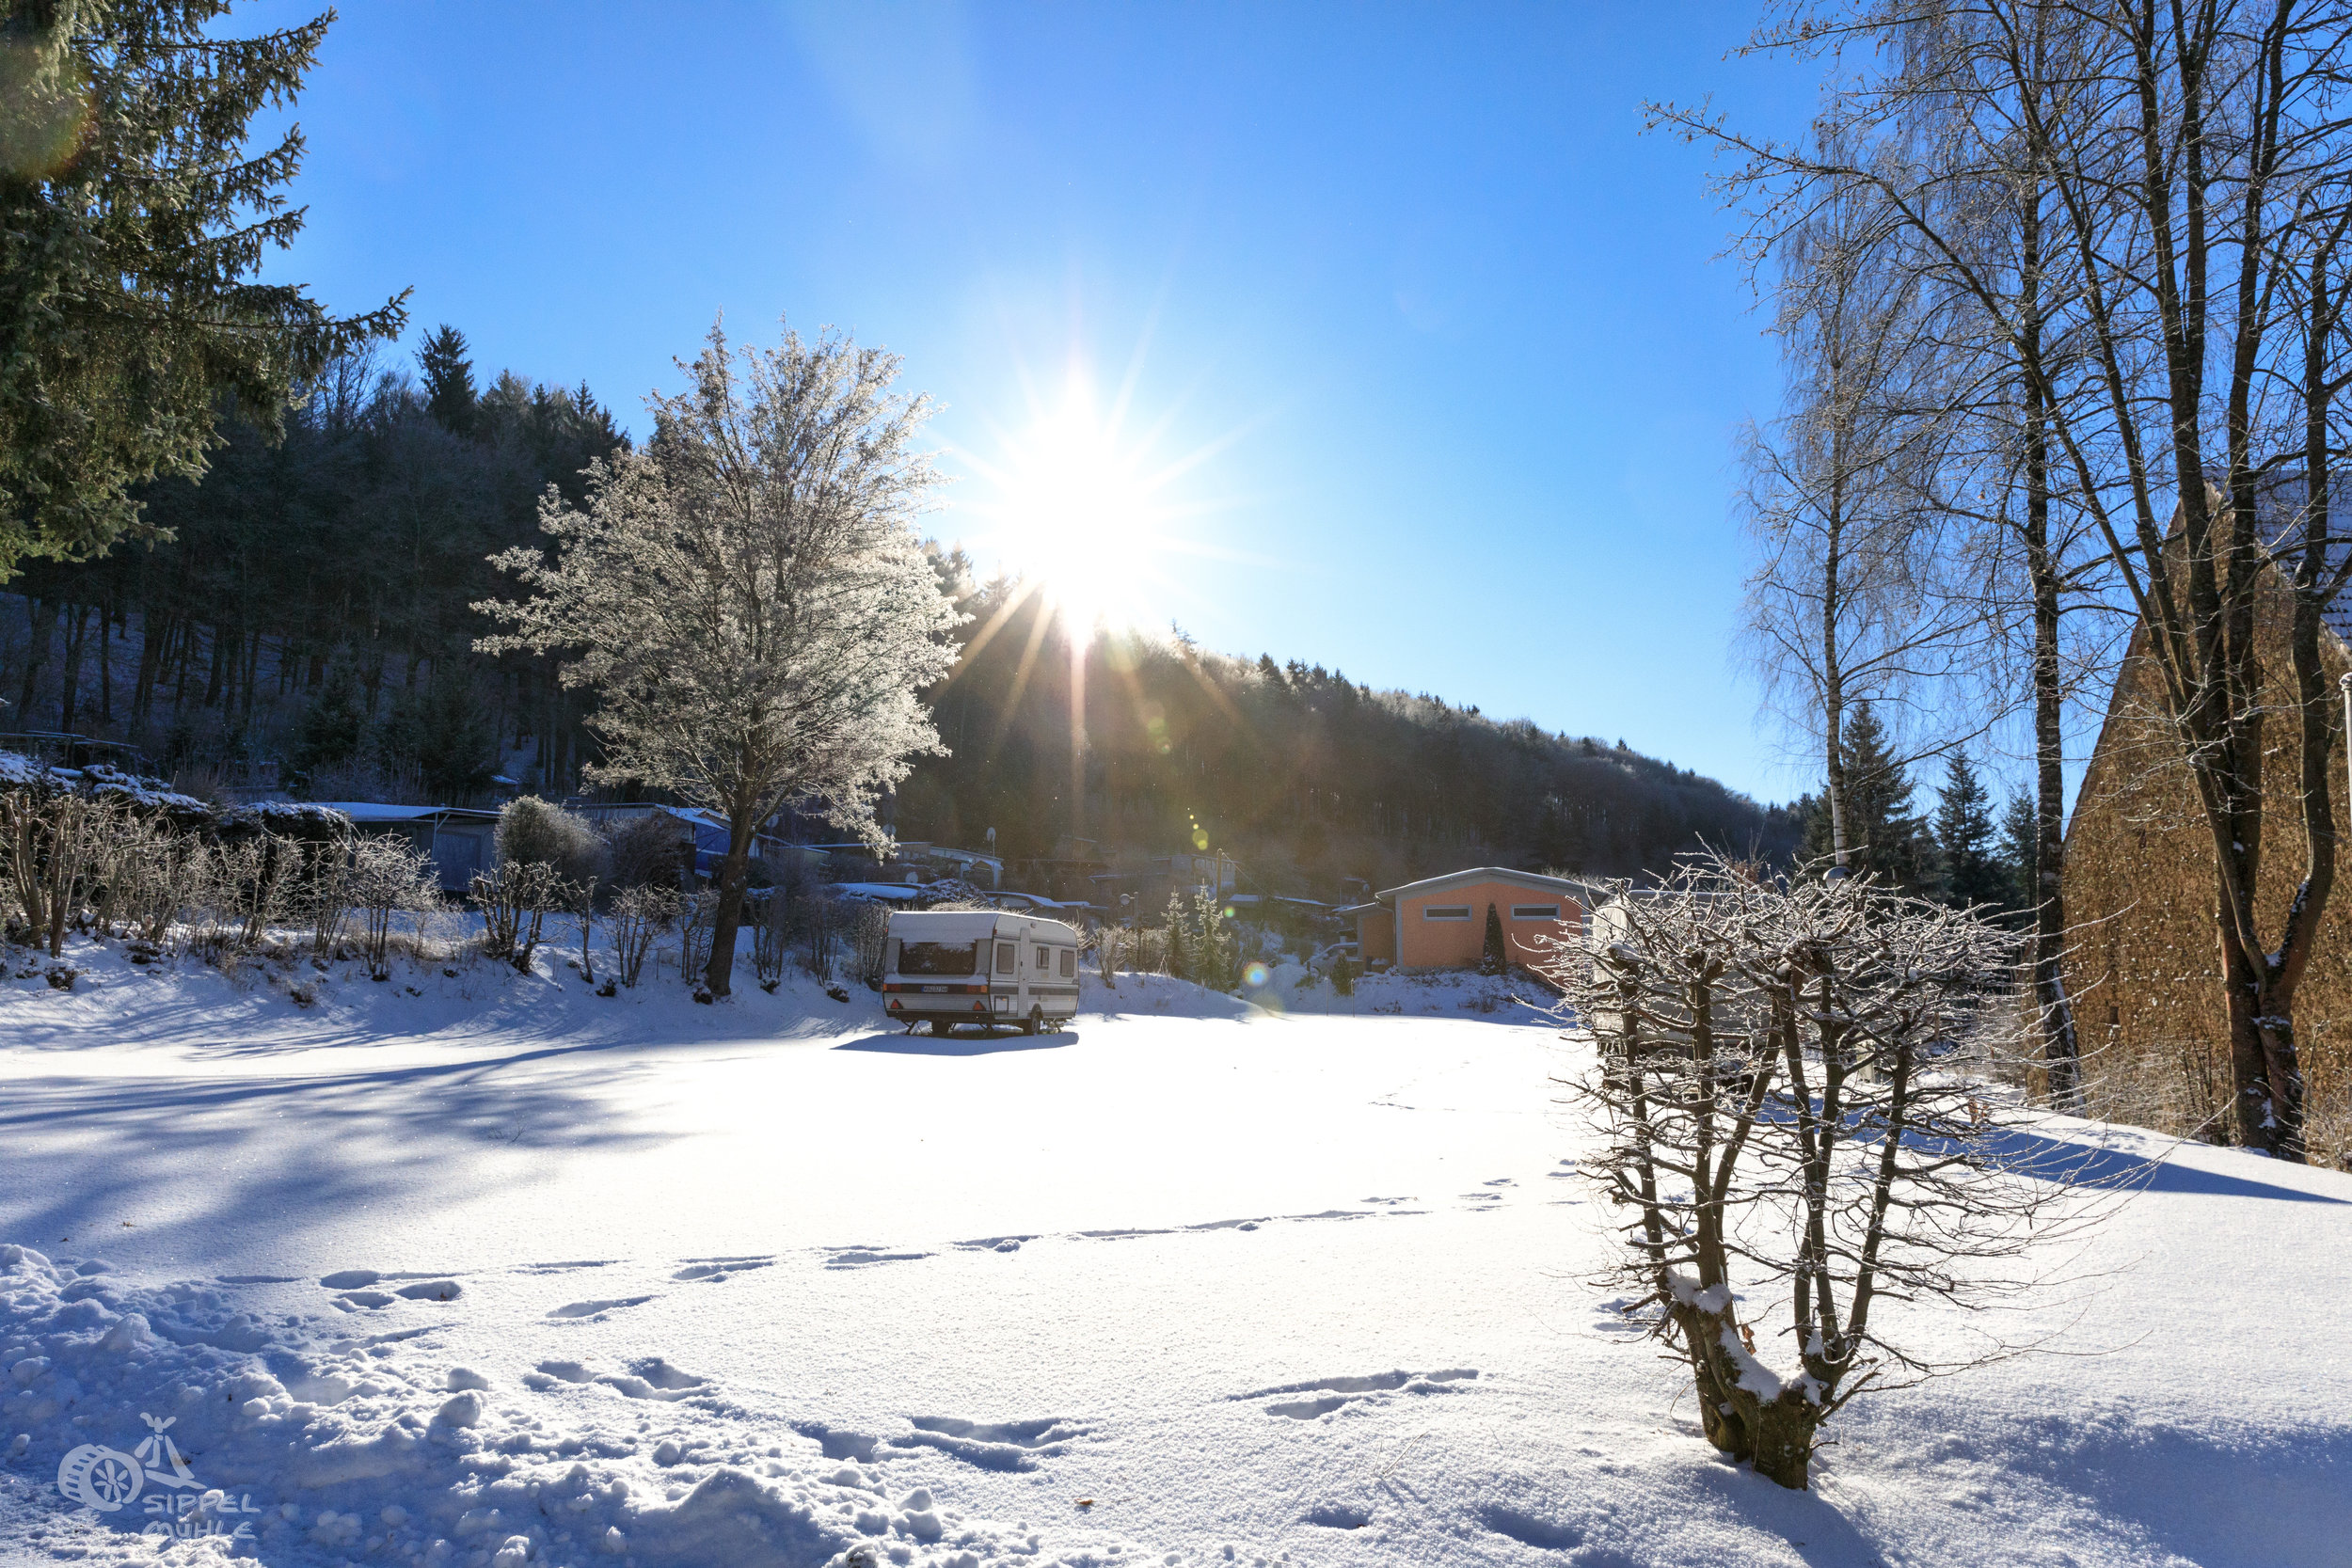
1845,603
747,597
2192,164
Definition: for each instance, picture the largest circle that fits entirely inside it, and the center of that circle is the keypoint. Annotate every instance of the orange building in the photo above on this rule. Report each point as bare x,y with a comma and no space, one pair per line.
1441,922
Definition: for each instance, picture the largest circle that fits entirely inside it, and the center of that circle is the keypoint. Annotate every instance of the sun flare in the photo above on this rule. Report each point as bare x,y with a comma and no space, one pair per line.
1081,511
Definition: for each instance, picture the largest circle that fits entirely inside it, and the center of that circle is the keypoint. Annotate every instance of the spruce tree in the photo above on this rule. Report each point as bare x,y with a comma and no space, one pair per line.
2021,850
1968,871
1493,959
448,371
1888,838
335,725
133,220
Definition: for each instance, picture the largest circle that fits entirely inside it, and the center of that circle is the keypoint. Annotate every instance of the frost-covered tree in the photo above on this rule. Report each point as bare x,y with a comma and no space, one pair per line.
747,597
1796,1149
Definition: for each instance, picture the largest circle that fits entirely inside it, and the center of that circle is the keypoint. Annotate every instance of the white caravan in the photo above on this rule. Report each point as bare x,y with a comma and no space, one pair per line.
990,967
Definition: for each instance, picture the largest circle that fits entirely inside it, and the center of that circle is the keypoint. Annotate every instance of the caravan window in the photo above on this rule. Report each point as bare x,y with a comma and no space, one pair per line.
1069,963
1005,952
938,957
1042,962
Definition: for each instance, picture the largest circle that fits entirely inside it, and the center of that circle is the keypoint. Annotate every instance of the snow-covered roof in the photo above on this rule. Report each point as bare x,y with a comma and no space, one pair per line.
949,926
893,893
1482,874
377,811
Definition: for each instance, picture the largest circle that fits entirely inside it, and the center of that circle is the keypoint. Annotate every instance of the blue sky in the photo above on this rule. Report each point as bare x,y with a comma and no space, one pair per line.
1413,351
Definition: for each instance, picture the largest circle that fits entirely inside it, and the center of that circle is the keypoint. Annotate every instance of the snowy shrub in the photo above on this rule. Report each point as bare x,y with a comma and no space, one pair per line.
641,911
533,831
387,877
652,851
48,843
697,912
1342,975
870,943
247,887
1785,1135
515,901
820,935
153,878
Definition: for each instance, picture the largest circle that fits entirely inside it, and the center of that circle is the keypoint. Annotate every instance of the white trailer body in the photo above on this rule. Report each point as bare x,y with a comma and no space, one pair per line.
996,968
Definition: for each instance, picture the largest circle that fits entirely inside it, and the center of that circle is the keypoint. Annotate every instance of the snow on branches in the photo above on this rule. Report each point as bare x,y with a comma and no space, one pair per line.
1797,1133
747,596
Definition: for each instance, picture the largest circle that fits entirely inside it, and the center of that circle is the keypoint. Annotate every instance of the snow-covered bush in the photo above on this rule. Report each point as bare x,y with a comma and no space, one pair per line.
1787,1140
385,879
652,851
515,901
533,831
641,911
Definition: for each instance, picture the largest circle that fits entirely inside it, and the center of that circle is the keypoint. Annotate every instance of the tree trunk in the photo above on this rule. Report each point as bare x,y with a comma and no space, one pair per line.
106,665
69,677
44,618
732,870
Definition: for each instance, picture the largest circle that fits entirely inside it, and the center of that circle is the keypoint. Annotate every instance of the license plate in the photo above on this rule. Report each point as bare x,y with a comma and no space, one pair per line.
934,990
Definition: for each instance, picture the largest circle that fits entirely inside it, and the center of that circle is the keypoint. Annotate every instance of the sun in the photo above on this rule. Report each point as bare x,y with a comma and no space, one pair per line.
1082,510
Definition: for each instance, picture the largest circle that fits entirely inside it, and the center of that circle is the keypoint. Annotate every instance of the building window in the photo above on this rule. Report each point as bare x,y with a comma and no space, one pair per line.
1445,912
1068,963
1534,912
1005,952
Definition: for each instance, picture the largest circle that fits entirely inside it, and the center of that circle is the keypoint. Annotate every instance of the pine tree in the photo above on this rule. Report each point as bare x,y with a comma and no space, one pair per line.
2021,841
1888,838
335,725
449,393
1968,871
1493,960
132,221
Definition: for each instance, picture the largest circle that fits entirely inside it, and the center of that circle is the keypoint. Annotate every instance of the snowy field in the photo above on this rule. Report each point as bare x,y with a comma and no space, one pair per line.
480,1269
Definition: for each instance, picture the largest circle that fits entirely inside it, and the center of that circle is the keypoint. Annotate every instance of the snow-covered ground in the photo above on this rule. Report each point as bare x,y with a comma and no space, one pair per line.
481,1269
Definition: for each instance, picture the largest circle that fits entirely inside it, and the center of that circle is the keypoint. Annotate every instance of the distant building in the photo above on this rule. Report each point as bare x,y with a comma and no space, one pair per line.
1441,922
461,840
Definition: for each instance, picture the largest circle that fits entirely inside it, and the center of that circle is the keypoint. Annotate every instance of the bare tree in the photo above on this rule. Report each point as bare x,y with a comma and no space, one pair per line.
1846,602
2189,163
1792,1141
747,597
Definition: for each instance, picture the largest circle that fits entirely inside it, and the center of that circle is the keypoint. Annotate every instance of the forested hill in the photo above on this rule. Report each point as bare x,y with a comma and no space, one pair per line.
1304,775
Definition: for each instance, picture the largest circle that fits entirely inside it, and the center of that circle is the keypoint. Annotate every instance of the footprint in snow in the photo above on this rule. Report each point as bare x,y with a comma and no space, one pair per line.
551,1374
1327,1394
1006,1445
995,1243
858,1257
579,1309
654,1379
718,1270
567,1267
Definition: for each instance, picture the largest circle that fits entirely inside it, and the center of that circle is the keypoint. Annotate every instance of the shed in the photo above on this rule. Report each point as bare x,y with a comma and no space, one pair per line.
1441,922
462,840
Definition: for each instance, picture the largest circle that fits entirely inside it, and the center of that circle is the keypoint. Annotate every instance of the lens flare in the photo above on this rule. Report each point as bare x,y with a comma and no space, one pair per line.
1256,975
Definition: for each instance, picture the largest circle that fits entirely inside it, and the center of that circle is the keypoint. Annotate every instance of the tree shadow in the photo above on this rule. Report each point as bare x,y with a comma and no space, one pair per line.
287,1156
2081,1164
958,1045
